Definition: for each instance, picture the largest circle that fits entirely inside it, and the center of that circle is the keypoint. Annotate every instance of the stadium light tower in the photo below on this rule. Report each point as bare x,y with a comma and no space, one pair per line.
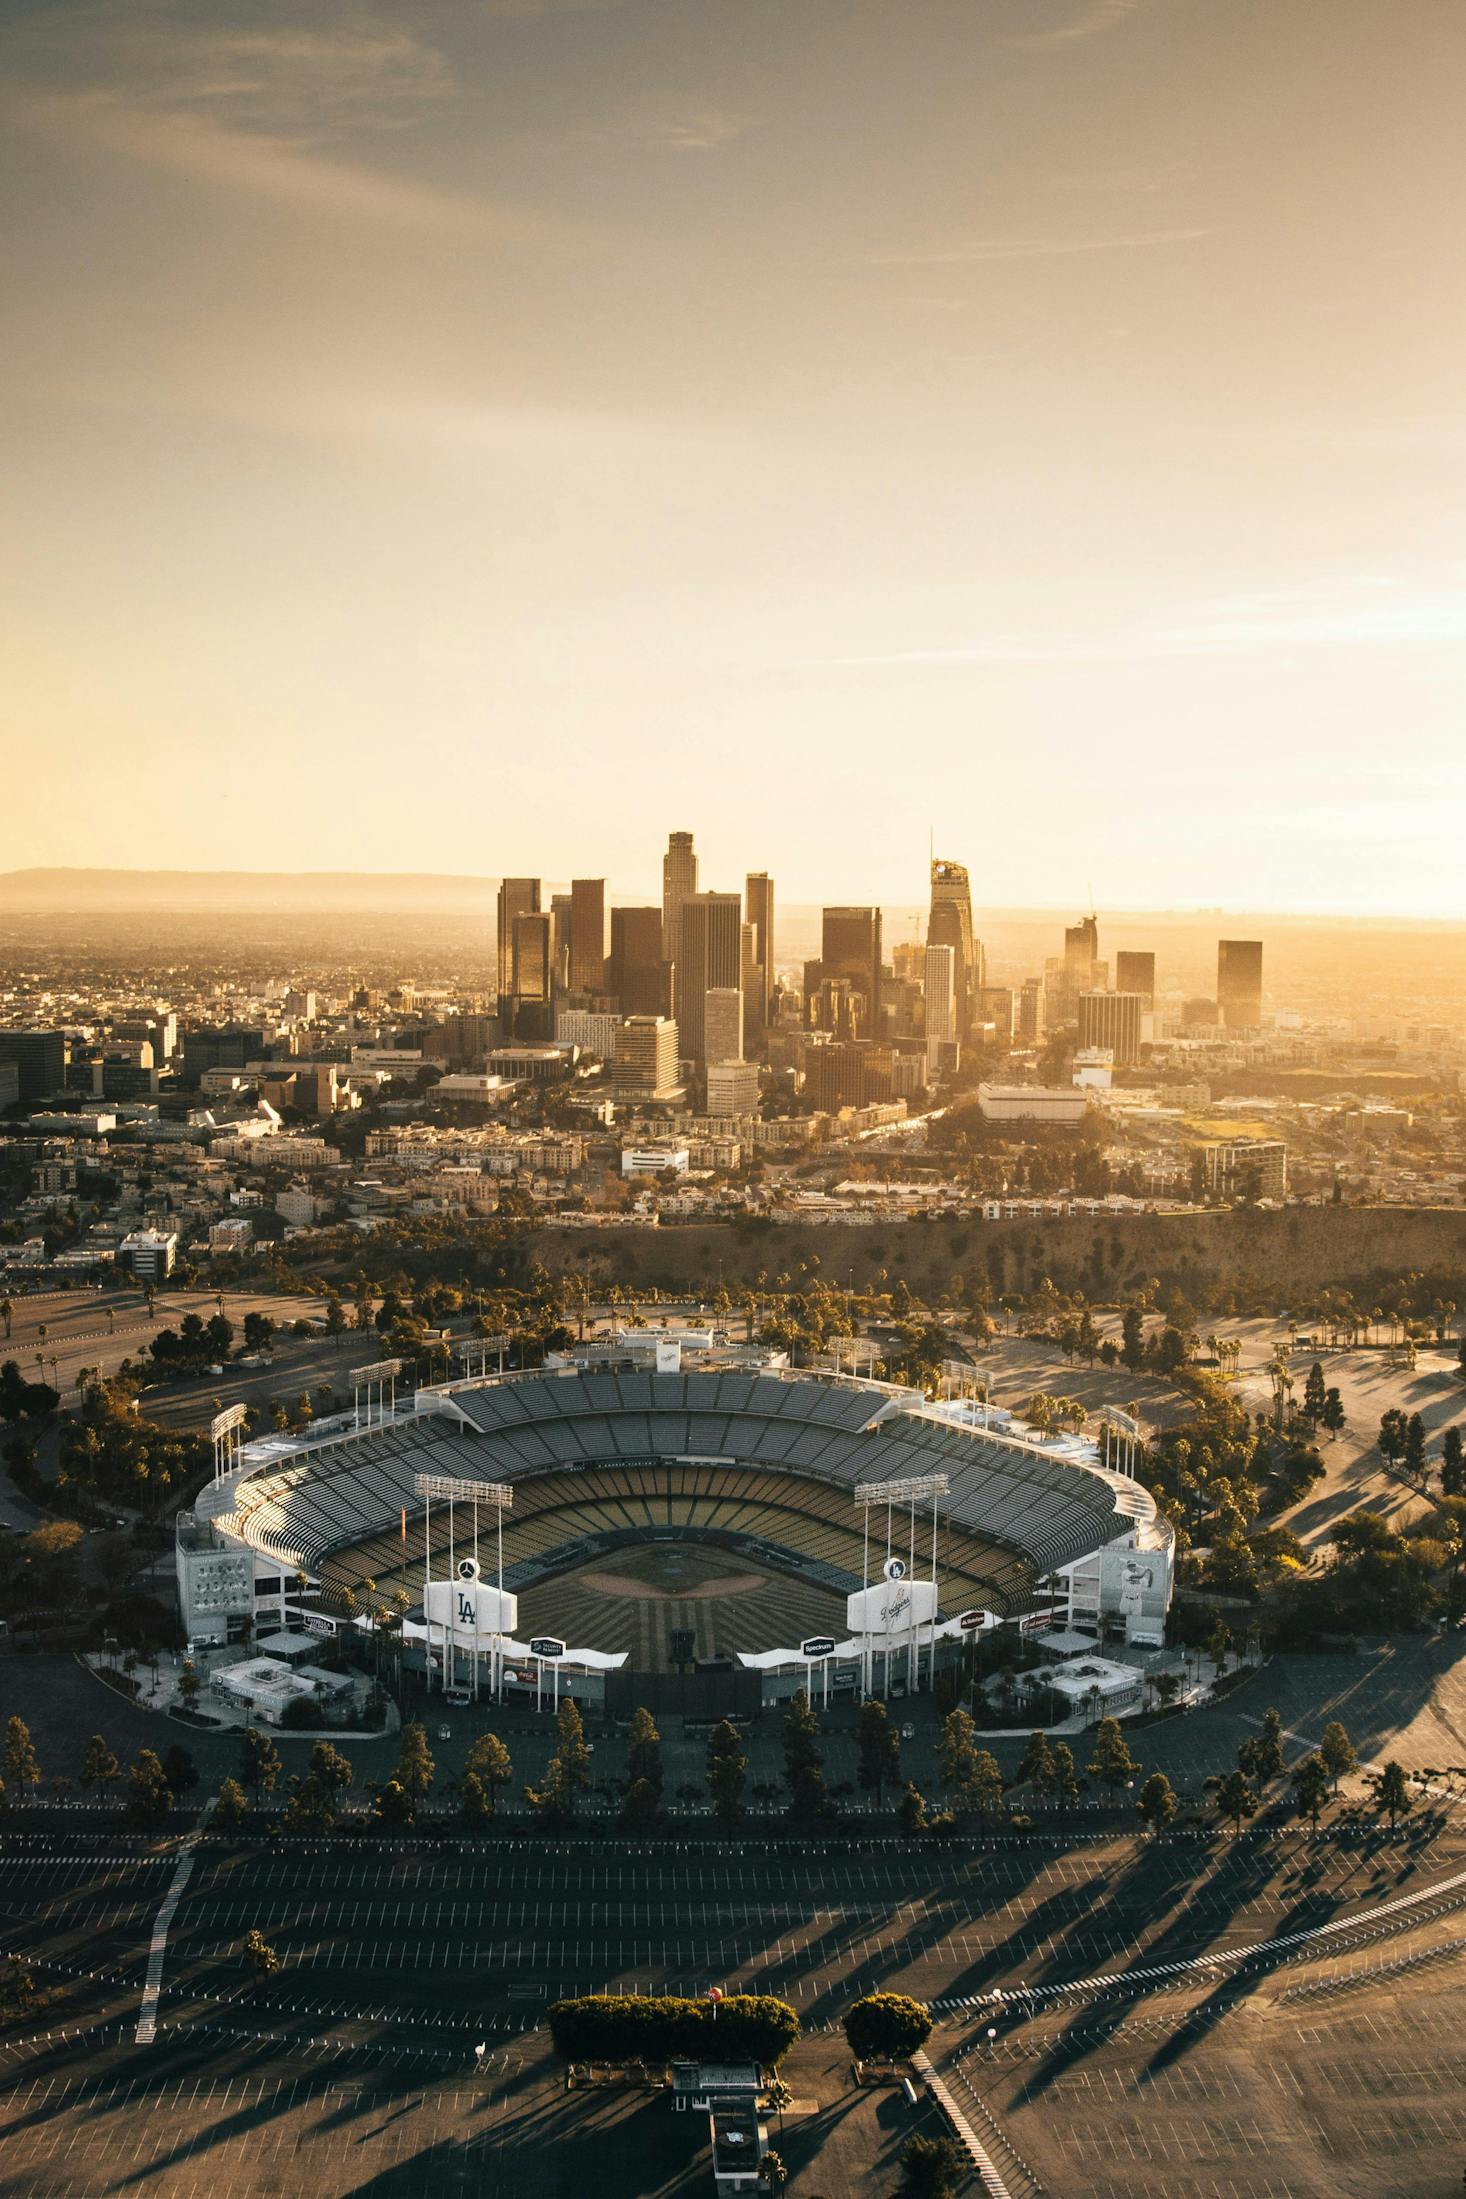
474,1353
380,1383
449,1489
915,1490
1121,1434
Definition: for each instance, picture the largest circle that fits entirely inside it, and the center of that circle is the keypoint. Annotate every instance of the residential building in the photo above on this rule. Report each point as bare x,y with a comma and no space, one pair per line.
236,1234
1246,1168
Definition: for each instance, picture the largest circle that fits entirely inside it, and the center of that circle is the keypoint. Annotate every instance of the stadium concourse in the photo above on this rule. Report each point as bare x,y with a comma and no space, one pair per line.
725,1500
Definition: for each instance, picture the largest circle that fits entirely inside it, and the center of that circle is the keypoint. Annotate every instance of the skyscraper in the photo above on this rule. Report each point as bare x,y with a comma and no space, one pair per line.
646,1057
40,1060
517,897
1081,952
1135,973
1239,983
751,979
710,961
533,966
1112,1020
950,925
679,884
940,988
587,935
722,1023
850,949
758,903
560,941
636,972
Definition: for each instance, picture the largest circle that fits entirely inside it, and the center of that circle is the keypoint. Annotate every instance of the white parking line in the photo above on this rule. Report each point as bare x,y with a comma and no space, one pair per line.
147,2028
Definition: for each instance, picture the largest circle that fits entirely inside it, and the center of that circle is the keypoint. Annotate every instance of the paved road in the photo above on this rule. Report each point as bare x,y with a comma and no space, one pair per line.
78,1332
1403,1698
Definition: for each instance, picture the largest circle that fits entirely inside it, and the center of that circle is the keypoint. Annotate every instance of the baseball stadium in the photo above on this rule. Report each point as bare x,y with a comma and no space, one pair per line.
716,1516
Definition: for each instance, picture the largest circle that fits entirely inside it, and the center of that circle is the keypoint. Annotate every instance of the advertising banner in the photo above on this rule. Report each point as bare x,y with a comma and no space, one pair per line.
471,1610
891,1607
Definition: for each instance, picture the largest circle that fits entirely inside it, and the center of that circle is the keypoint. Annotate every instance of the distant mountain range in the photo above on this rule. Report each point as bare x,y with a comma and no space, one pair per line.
116,891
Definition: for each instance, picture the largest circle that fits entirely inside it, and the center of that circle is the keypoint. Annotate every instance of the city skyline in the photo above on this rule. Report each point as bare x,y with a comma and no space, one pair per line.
469,404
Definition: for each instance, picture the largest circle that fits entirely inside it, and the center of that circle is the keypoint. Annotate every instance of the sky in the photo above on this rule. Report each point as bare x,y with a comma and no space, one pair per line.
482,435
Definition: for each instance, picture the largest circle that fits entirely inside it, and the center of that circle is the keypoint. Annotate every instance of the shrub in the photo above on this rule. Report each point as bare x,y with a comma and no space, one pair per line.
618,2027
886,2027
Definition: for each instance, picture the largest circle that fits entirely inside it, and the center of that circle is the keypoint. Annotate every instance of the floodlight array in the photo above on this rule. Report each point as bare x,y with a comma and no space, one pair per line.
911,1491
449,1489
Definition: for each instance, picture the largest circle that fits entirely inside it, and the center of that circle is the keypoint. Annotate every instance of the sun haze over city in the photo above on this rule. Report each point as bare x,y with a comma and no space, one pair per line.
732,1099
438,432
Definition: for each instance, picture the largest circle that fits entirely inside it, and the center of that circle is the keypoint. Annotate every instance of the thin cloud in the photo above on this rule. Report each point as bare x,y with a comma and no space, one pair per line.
261,166
291,79
1104,15
701,133
993,251
1370,612
527,10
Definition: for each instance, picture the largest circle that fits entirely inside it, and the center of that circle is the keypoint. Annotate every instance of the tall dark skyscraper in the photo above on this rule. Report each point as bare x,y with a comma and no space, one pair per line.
850,948
1135,973
517,897
950,925
679,883
587,935
40,1060
711,961
636,972
1239,983
758,902
533,957
1081,952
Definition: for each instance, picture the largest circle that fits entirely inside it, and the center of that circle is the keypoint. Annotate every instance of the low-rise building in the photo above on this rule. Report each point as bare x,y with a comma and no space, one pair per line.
655,1160
150,1253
